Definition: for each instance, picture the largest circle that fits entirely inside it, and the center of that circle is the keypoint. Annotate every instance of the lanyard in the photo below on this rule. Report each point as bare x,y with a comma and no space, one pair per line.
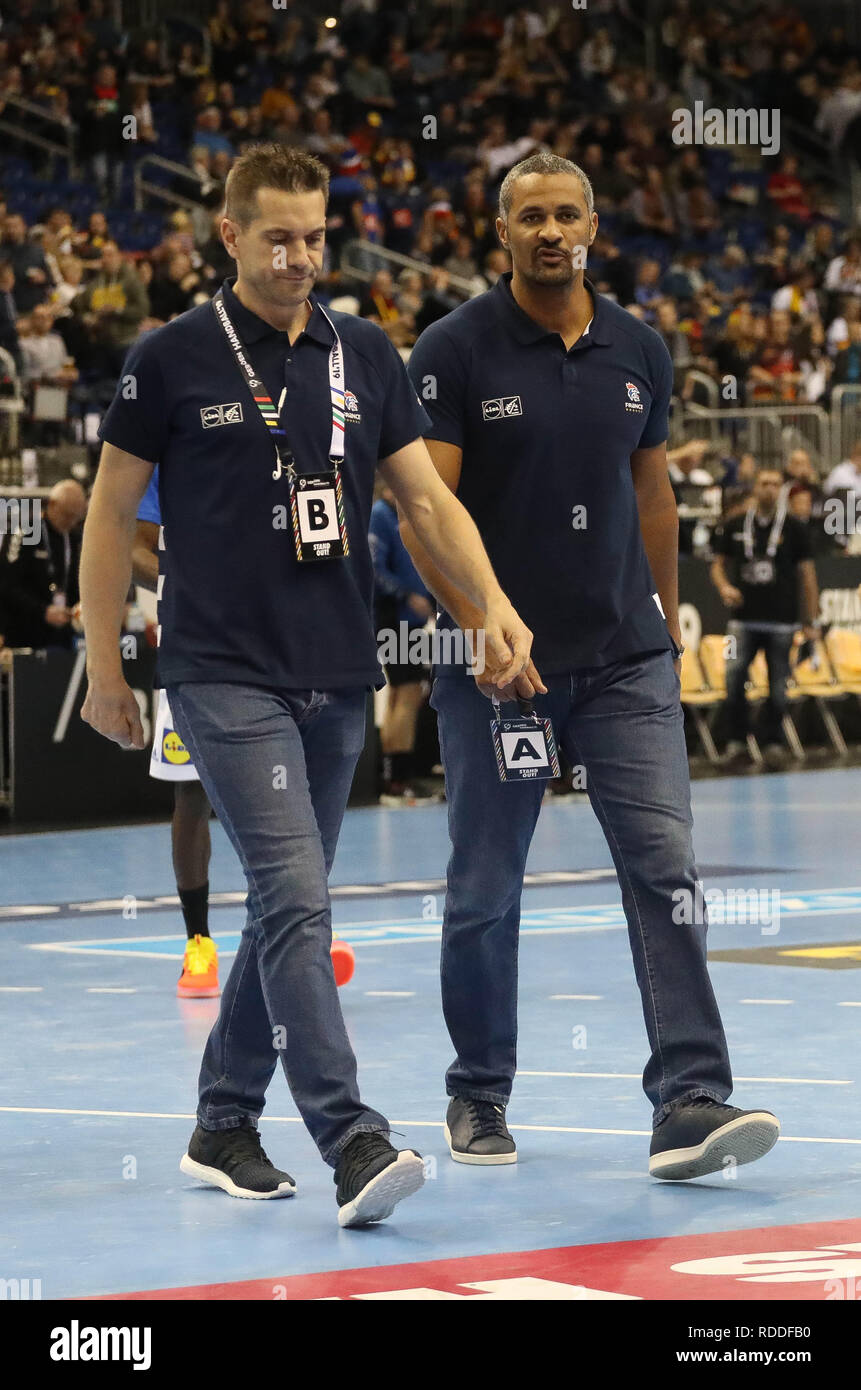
774,534
267,408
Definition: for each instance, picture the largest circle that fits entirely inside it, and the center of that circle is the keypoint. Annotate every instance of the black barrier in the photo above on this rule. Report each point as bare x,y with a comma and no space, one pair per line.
61,770
701,611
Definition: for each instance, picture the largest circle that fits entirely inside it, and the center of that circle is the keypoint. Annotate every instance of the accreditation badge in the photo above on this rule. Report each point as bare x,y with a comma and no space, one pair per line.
317,507
525,747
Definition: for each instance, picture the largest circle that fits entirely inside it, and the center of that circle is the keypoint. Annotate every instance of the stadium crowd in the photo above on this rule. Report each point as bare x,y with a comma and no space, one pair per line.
741,262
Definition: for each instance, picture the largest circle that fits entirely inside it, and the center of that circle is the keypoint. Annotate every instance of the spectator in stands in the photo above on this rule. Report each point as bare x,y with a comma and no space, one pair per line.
379,304
847,363
739,347
44,354
798,296
843,275
772,581
39,583
102,135
369,86
32,277
846,476
667,325
89,245
729,276
650,206
9,314
208,132
141,109
224,37
818,249
150,69
776,374
175,289
786,191
112,306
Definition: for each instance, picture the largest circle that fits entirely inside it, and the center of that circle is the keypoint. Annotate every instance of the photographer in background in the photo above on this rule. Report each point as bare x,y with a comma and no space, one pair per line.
771,579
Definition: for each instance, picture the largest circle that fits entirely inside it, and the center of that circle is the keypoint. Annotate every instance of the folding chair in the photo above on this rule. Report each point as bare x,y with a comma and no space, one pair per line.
814,679
844,652
697,695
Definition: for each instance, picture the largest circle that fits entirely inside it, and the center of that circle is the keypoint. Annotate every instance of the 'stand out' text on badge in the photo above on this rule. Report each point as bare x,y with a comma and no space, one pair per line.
525,749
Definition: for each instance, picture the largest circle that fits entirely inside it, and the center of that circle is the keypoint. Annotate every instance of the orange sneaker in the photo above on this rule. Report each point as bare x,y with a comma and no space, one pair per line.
343,962
199,978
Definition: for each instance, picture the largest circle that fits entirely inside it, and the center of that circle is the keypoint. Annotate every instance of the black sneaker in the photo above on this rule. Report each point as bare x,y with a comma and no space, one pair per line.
233,1160
372,1177
476,1132
701,1137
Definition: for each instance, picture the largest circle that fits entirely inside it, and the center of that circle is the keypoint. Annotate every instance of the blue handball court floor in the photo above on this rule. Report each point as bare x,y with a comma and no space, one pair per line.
100,1061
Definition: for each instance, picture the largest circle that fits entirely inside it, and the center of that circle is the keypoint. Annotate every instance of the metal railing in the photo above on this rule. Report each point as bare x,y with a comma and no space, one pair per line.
144,188
845,421
769,432
58,148
362,259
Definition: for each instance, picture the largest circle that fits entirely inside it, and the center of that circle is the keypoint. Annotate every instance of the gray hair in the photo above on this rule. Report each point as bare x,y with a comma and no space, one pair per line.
542,163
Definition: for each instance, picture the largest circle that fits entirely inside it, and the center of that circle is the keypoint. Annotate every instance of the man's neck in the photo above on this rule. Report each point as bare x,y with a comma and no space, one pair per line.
765,514
563,309
290,319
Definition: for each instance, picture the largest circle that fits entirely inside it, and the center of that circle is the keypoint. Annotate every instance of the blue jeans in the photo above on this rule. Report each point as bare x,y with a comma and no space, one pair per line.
277,766
775,639
623,723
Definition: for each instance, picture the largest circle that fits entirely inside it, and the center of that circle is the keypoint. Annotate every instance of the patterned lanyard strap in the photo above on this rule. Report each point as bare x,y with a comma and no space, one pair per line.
265,404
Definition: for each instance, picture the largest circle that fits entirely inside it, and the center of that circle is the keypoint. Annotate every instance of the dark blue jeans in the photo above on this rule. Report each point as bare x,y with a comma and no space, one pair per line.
623,723
277,766
775,639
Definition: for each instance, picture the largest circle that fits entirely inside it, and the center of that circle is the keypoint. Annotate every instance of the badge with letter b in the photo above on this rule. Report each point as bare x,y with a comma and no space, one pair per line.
525,747
317,507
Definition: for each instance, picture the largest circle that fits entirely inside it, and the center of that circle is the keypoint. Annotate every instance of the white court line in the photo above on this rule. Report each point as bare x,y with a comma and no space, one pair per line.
849,1003
636,1076
108,989
390,993
766,1001
408,1124
21,989
575,996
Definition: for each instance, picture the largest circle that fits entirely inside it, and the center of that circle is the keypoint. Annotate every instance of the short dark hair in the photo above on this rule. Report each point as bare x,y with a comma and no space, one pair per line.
271,166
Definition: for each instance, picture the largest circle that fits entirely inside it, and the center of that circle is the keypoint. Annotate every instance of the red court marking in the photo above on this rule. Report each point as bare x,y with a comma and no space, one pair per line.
797,1262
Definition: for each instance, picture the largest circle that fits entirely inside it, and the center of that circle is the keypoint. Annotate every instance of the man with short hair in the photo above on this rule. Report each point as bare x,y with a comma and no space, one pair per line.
549,420
267,416
772,575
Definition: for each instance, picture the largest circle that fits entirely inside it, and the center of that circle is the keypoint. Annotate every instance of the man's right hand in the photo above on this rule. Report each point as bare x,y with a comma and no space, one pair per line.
55,616
731,596
112,710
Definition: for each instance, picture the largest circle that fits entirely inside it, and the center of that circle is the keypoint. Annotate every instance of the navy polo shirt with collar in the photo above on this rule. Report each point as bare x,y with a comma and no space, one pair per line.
236,604
547,435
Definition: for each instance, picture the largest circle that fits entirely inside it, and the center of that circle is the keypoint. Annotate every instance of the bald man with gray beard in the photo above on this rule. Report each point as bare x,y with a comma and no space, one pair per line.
39,571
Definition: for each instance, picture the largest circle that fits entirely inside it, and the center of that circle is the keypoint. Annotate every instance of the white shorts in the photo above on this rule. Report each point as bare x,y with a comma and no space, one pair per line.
170,760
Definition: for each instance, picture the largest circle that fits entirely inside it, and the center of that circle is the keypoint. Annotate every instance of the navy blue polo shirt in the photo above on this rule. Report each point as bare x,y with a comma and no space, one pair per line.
546,432
236,603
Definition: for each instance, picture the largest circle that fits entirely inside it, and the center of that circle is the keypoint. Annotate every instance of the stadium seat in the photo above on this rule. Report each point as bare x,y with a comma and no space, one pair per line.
844,652
814,679
698,695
